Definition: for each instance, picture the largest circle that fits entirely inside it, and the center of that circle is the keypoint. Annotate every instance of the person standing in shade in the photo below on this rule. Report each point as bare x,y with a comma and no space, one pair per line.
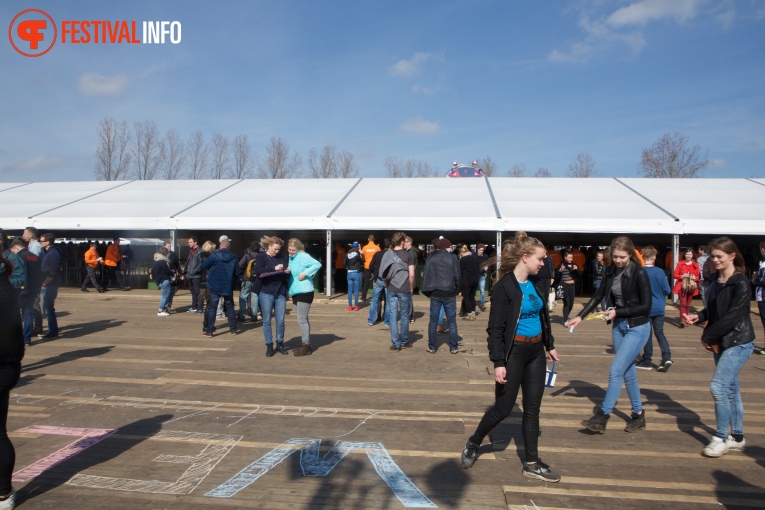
113,263
92,260
248,300
519,334
441,282
469,270
51,273
175,266
598,272
659,292
354,264
480,254
701,260
193,272
415,253
628,294
758,279
397,270
688,270
272,271
302,269
11,354
224,270
729,335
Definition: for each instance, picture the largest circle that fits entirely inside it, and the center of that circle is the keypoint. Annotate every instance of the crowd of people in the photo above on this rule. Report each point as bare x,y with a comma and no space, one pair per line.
630,293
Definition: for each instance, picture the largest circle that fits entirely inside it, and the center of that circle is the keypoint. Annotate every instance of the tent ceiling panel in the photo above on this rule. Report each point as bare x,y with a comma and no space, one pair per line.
709,206
269,203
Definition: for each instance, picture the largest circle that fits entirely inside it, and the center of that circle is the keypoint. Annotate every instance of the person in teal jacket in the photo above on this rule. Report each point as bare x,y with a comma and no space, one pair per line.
302,268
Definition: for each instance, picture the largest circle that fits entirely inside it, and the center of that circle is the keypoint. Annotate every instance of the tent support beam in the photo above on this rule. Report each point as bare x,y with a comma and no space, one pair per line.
328,266
675,260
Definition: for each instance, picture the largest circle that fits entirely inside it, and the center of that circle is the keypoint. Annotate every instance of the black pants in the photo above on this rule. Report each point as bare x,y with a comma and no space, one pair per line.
91,276
569,291
468,296
366,278
525,370
195,284
341,280
9,376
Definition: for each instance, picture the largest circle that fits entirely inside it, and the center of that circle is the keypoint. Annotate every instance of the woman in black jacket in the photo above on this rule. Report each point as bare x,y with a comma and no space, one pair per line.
627,290
567,275
729,334
519,335
11,354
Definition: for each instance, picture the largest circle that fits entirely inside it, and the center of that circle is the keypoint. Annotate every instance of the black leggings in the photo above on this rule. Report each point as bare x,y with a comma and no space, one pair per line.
569,292
9,376
468,296
525,370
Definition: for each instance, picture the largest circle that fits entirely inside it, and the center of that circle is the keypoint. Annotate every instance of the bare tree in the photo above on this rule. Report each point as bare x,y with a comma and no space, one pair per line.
146,150
324,165
244,158
280,162
220,157
113,153
394,167
518,170
198,151
582,166
423,169
488,166
346,166
542,172
671,157
172,155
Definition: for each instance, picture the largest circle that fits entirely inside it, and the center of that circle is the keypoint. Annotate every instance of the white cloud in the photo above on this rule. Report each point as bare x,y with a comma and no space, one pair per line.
412,66
36,164
419,125
423,89
718,163
726,18
640,13
579,52
96,85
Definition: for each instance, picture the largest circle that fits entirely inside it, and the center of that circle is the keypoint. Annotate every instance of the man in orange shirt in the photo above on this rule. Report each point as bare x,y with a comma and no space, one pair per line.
91,263
113,261
369,251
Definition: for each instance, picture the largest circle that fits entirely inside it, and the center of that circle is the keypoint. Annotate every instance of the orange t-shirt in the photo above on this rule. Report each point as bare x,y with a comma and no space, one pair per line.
369,251
340,260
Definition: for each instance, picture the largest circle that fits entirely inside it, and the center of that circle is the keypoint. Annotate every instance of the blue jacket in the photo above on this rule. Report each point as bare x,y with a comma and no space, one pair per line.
302,262
224,271
659,290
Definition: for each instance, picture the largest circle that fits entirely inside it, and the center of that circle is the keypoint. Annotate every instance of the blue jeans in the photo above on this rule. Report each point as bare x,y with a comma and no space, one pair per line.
270,306
441,312
729,409
436,305
628,342
657,324
212,309
354,284
482,288
595,285
399,306
377,290
247,299
26,301
166,287
49,302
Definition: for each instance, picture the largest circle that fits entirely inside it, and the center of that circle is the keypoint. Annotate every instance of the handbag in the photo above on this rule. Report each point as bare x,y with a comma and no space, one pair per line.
550,376
689,286
559,292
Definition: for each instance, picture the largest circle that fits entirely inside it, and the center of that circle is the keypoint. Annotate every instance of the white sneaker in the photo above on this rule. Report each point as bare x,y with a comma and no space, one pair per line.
736,446
162,314
716,448
10,502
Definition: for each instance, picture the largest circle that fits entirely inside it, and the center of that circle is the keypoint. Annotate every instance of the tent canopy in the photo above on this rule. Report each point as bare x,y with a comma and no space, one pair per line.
602,205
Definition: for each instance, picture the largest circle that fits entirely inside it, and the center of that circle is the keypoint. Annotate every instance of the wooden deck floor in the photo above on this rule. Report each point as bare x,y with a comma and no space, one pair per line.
129,410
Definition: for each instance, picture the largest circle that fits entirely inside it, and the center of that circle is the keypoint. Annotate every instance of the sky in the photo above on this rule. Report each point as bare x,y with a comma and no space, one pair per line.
521,81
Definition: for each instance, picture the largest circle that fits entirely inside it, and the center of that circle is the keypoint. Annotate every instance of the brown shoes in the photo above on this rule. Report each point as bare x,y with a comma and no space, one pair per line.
303,350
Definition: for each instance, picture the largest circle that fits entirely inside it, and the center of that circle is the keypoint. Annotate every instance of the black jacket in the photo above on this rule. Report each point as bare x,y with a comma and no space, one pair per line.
470,269
193,269
505,314
442,272
597,269
636,293
374,265
733,325
11,331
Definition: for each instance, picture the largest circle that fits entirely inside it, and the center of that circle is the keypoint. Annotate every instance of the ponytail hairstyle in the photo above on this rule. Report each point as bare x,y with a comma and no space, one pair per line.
513,252
727,245
624,243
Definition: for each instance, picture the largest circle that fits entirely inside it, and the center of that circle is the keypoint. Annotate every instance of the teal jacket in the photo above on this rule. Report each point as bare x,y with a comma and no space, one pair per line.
302,263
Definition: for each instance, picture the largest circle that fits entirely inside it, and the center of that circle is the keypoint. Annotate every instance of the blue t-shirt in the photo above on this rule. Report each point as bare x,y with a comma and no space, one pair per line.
659,290
531,307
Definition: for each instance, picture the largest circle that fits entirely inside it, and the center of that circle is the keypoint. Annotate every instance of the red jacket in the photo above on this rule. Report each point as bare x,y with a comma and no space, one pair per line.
683,268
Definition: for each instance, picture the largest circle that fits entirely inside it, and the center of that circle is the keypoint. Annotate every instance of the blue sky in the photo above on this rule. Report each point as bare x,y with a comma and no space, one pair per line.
521,81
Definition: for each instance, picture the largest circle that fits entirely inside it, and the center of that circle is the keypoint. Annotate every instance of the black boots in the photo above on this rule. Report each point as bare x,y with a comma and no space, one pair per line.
280,348
469,454
637,422
598,422
269,350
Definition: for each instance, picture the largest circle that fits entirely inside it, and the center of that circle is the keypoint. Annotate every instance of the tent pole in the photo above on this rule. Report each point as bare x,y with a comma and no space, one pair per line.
172,240
675,260
498,251
328,266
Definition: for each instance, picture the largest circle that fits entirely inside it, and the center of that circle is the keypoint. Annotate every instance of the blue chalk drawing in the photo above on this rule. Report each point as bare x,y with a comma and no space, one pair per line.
312,464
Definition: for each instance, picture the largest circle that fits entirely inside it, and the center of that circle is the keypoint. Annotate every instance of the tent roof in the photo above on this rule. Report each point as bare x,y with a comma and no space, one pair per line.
683,206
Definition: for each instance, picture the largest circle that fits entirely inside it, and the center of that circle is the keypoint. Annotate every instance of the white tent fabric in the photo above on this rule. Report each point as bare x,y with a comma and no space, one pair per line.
669,206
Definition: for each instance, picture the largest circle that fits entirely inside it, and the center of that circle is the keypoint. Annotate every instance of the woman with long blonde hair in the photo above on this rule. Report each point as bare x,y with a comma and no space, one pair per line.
520,342
302,268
